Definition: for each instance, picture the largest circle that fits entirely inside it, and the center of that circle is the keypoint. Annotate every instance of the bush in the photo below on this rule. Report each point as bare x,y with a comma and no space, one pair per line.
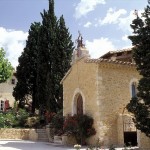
12,118
21,117
80,126
57,122
49,116
32,122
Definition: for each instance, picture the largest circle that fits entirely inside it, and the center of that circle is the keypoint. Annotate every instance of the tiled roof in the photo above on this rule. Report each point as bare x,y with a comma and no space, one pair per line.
122,50
99,60
117,51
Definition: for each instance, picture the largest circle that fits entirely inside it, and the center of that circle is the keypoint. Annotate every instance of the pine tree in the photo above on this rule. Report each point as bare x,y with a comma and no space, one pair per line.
26,72
140,105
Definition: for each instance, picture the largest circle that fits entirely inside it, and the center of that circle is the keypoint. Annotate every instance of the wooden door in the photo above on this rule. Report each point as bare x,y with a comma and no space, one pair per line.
79,105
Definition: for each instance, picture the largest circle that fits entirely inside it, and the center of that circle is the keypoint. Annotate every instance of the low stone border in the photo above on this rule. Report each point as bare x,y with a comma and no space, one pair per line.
24,134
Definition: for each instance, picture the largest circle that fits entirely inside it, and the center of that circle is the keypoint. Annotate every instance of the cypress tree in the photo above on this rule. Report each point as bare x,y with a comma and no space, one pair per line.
46,45
140,105
55,50
26,72
43,63
62,58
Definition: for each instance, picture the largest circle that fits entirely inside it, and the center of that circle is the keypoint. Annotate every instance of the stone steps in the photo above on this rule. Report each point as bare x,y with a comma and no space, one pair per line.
42,135
58,139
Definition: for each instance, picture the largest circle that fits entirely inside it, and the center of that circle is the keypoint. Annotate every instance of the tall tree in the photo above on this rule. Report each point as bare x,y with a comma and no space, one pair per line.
55,50
140,105
43,63
6,68
47,38
62,58
26,72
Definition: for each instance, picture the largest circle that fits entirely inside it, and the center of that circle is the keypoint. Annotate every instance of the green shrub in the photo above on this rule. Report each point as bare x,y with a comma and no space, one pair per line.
7,119
2,120
80,126
21,117
32,122
12,118
57,122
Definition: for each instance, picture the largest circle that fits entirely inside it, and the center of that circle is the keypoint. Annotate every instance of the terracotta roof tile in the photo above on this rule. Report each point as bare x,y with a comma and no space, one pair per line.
99,60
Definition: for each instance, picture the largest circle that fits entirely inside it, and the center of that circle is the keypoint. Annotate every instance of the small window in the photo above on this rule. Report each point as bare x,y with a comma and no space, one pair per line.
13,81
133,87
2,105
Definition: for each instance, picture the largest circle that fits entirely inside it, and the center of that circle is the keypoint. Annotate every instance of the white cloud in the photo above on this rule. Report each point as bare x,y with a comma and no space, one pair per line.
86,6
124,23
125,38
112,16
88,24
98,47
13,43
116,17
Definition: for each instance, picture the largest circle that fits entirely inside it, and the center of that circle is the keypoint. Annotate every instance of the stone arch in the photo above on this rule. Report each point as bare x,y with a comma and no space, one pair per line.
130,134
78,102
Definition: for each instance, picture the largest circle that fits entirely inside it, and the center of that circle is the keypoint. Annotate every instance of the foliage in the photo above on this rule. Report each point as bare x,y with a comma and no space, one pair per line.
140,105
55,49
7,120
12,118
49,116
43,63
112,147
21,117
80,126
32,122
5,67
57,122
46,46
77,146
27,69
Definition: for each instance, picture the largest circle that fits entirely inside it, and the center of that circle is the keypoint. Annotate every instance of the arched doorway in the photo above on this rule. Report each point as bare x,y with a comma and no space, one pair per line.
79,105
78,102
129,131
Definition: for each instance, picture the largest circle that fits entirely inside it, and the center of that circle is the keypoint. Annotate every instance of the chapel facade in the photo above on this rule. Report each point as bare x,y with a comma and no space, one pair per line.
102,88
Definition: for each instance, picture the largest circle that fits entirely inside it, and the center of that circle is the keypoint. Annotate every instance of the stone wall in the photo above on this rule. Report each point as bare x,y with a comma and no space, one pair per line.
24,134
81,80
114,95
106,90
6,90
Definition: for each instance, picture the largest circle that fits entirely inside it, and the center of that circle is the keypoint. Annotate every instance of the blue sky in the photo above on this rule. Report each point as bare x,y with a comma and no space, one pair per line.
104,24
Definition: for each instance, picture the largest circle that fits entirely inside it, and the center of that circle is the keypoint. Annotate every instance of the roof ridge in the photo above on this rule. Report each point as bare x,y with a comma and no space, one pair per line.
98,60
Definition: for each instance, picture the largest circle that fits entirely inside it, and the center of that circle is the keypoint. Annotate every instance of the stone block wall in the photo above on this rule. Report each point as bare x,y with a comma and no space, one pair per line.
6,90
106,90
24,134
6,133
114,95
82,79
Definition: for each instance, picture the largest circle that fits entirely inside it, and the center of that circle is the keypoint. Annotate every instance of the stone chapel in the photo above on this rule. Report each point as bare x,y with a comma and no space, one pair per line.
102,88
